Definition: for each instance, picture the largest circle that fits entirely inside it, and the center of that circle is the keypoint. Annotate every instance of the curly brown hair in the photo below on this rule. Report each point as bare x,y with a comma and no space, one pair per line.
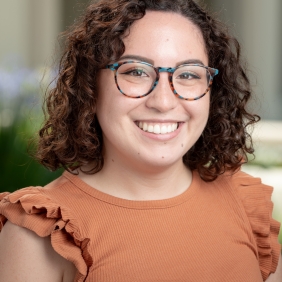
71,135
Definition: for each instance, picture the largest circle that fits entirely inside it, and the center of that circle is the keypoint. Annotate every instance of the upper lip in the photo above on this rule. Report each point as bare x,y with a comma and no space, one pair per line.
158,120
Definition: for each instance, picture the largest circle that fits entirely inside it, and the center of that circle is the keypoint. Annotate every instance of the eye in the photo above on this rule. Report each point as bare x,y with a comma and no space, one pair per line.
188,75
136,72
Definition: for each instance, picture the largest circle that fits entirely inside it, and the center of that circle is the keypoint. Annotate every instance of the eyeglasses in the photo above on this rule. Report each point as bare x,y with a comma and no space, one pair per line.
137,79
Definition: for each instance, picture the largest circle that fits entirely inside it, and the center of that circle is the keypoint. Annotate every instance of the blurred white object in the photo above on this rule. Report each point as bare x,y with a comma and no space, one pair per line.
269,132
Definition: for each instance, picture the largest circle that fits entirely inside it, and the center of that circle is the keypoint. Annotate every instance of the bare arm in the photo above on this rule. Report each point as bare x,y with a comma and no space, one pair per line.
277,276
24,256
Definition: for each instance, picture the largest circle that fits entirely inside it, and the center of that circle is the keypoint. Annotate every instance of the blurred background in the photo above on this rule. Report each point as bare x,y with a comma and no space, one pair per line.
29,47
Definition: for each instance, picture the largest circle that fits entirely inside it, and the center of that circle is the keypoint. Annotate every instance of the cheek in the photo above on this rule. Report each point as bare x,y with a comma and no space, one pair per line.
111,108
205,110
106,90
199,109
105,110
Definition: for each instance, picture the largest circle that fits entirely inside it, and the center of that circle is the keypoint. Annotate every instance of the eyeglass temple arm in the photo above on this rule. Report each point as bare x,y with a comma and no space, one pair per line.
112,66
214,72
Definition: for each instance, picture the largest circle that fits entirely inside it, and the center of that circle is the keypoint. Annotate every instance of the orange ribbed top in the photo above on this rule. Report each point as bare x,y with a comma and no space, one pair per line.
217,231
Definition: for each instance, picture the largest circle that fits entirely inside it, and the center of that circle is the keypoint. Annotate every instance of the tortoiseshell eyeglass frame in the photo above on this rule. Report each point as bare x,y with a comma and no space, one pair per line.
211,72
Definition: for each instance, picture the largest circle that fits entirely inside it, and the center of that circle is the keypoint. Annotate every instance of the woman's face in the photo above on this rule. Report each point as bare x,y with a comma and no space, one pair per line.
164,40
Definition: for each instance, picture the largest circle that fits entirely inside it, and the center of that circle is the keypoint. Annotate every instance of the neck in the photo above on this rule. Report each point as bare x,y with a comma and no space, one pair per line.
140,182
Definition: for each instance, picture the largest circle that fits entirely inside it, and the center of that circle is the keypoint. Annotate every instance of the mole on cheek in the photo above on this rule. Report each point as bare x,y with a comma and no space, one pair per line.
113,160
182,145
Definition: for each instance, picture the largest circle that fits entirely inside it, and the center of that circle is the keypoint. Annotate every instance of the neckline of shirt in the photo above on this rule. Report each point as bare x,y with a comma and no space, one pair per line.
133,204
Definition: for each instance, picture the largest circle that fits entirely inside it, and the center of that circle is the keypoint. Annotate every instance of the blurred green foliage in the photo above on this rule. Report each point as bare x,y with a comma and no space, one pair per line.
18,169
20,118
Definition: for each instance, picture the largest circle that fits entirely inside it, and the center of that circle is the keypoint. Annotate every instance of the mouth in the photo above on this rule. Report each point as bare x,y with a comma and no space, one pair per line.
158,128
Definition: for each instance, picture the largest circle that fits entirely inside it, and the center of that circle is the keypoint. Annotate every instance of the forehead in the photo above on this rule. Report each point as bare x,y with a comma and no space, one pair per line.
165,38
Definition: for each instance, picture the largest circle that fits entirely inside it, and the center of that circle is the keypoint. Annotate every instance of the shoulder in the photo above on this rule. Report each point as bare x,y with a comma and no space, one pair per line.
277,276
30,257
255,199
237,179
51,214
59,194
245,187
37,208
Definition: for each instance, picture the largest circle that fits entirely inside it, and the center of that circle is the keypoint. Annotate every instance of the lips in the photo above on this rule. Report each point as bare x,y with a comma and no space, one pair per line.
158,128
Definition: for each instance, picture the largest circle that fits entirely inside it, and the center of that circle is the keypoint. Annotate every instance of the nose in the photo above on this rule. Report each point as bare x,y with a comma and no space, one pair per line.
162,98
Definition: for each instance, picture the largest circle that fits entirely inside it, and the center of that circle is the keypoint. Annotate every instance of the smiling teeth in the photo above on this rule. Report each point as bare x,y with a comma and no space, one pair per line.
158,128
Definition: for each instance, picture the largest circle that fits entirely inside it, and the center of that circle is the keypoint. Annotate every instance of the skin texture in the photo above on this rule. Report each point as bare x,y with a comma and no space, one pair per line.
277,276
26,257
143,166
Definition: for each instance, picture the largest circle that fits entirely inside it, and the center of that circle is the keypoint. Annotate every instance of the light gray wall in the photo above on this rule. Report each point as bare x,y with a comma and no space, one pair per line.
258,26
13,27
28,30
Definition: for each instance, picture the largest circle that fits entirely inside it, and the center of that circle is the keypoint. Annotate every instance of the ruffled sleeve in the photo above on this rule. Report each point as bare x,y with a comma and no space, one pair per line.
32,209
256,199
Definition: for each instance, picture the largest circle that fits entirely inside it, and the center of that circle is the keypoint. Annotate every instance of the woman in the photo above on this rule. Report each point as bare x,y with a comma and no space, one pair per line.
149,119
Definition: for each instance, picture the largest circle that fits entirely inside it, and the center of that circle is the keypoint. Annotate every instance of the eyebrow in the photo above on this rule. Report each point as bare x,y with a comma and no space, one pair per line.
191,61
147,60
138,58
